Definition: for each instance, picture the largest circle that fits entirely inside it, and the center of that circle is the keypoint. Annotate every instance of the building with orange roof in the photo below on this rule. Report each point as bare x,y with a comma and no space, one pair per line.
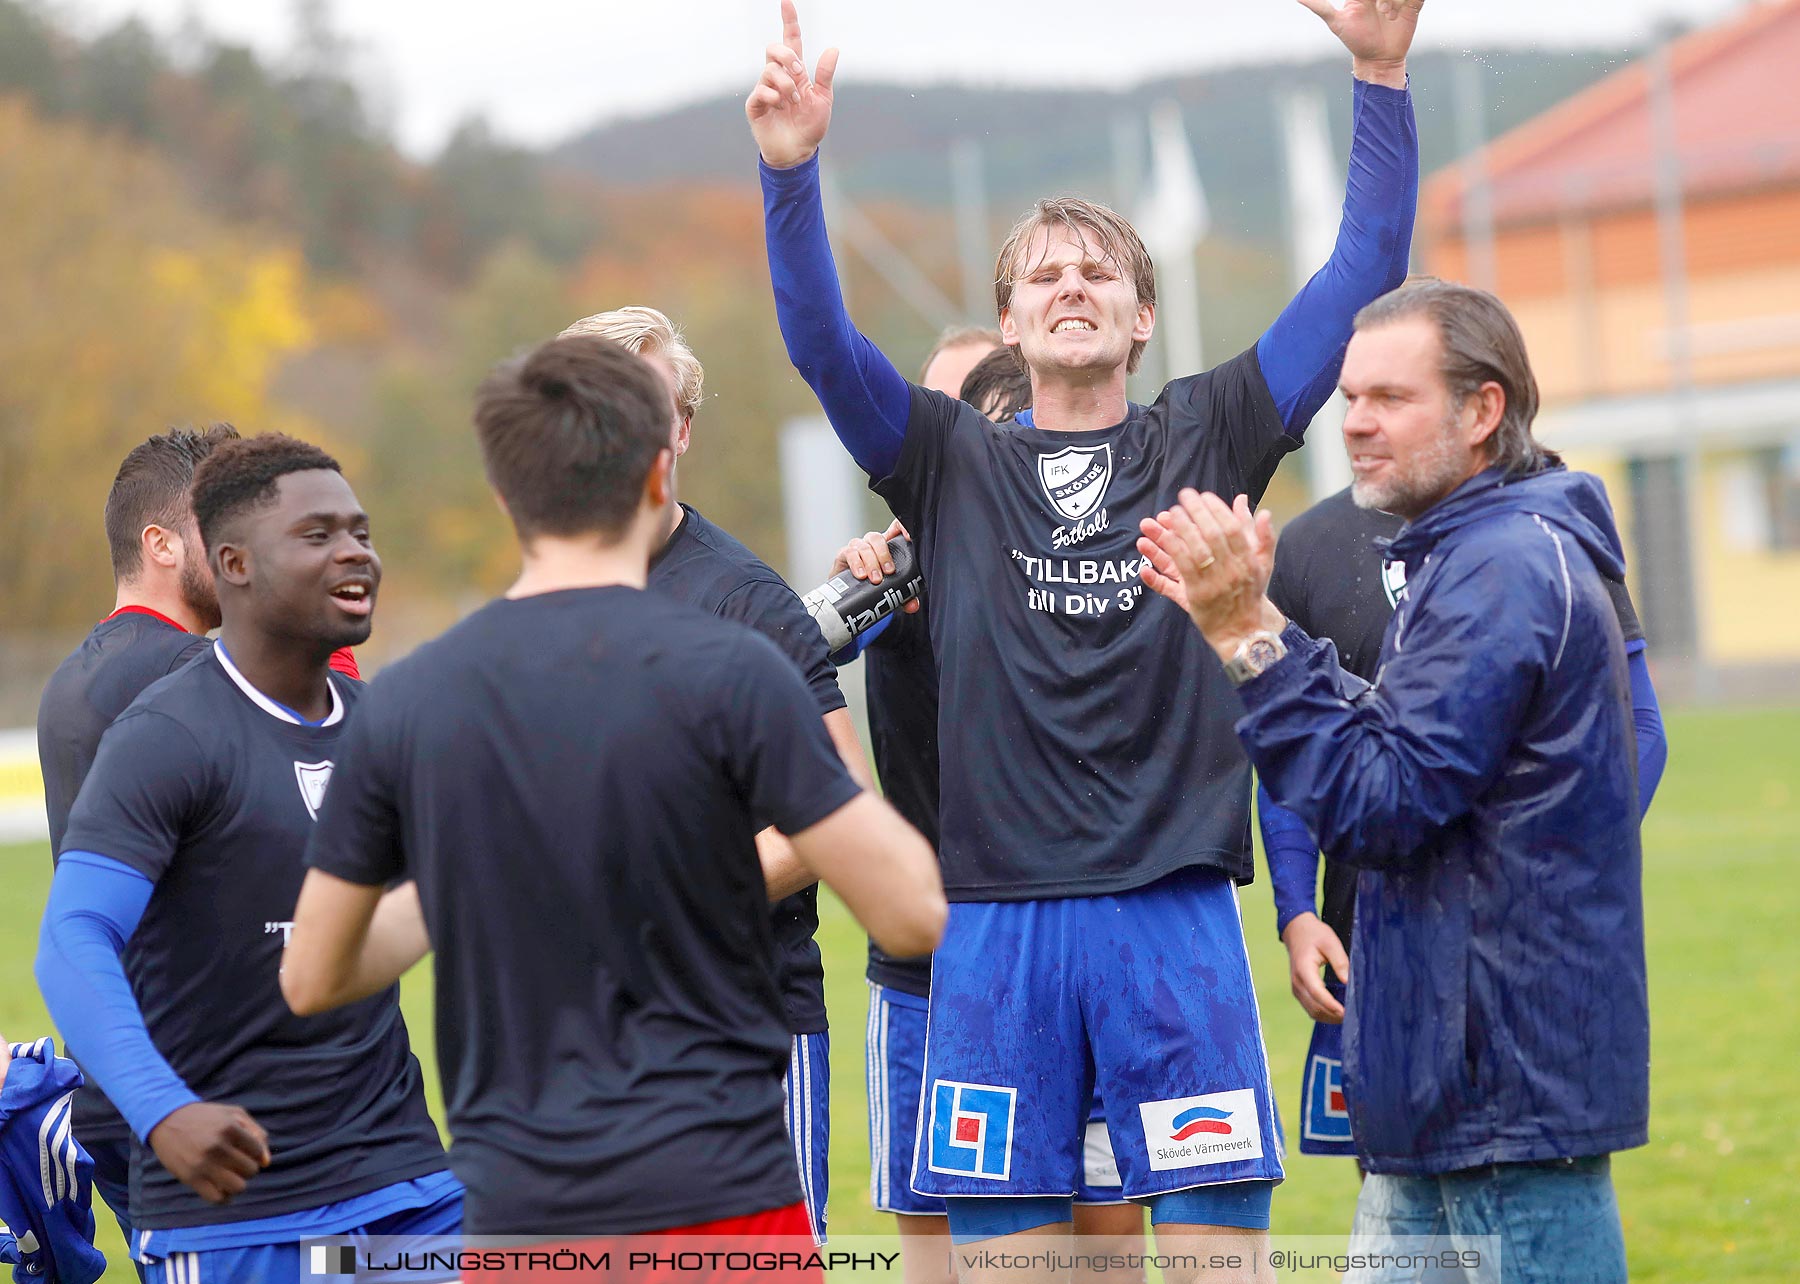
1646,233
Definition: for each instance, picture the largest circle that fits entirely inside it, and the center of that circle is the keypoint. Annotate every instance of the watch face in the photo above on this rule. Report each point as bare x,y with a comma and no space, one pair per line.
1261,654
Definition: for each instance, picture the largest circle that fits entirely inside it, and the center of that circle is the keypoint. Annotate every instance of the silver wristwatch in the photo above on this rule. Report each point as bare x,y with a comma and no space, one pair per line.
1254,656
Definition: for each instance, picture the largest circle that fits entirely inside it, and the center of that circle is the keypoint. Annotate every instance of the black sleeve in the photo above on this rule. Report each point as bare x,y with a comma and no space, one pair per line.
1629,624
776,749
357,837
1287,584
1229,413
144,792
911,490
775,611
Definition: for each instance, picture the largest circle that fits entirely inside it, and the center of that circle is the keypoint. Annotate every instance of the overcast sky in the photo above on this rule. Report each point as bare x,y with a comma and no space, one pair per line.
542,69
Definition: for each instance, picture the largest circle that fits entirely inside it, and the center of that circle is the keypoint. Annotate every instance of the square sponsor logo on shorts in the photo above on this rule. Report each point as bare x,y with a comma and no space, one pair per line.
1190,1132
1327,1116
971,1129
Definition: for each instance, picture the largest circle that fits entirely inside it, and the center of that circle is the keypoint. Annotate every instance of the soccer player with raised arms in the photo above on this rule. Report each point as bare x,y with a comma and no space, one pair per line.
162,940
1094,805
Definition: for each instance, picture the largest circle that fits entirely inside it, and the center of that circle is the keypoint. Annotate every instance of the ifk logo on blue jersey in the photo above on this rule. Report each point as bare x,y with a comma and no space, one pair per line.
972,1129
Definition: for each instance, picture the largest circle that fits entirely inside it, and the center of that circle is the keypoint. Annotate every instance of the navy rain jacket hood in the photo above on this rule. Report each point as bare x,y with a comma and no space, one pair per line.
1486,786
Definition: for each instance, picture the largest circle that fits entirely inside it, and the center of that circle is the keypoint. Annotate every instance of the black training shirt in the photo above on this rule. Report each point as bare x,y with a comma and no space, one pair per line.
1085,726
706,567
121,655
209,789
576,780
901,679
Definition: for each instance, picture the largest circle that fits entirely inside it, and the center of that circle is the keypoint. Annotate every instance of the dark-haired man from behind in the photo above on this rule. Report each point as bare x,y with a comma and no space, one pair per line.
704,565
163,608
580,816
162,941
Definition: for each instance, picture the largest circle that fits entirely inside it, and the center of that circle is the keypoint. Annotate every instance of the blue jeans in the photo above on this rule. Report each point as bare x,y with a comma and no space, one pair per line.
1551,1222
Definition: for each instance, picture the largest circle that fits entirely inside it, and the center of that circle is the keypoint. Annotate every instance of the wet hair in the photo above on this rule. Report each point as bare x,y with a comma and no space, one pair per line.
1119,244
998,386
1481,344
151,489
243,475
568,434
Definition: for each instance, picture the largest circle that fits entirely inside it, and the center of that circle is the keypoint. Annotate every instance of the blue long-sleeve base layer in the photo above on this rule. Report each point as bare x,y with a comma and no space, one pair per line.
867,400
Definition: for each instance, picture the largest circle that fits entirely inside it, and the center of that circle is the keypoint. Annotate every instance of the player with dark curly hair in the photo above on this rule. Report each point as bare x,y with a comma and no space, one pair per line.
162,942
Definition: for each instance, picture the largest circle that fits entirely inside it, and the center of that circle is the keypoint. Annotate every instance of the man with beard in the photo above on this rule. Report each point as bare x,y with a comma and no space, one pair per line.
165,604
1485,788
162,941
1334,580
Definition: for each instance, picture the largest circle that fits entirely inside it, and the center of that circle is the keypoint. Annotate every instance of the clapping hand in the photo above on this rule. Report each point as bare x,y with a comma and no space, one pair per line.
1214,561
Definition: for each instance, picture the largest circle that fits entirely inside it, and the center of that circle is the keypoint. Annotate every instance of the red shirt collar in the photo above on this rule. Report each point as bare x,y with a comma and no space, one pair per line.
144,610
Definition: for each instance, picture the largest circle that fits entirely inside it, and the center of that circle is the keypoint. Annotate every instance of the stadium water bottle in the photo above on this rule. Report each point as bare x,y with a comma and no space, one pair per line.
845,606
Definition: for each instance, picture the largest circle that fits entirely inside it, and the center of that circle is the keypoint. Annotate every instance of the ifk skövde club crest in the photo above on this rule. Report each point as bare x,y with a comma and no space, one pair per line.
313,778
1075,478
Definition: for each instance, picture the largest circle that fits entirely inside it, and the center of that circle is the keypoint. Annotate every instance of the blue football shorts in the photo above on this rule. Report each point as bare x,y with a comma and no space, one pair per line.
806,1090
287,1263
894,1063
1142,999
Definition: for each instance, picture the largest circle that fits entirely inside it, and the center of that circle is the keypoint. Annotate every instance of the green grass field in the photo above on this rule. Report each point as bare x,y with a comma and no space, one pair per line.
1714,1194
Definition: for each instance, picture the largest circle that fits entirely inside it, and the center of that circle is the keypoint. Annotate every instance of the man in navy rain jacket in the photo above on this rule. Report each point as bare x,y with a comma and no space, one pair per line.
1497,1040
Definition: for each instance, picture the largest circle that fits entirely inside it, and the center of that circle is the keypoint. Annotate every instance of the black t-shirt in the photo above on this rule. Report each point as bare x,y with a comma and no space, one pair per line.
706,567
120,656
1085,727
576,781
901,679
206,788
1333,579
